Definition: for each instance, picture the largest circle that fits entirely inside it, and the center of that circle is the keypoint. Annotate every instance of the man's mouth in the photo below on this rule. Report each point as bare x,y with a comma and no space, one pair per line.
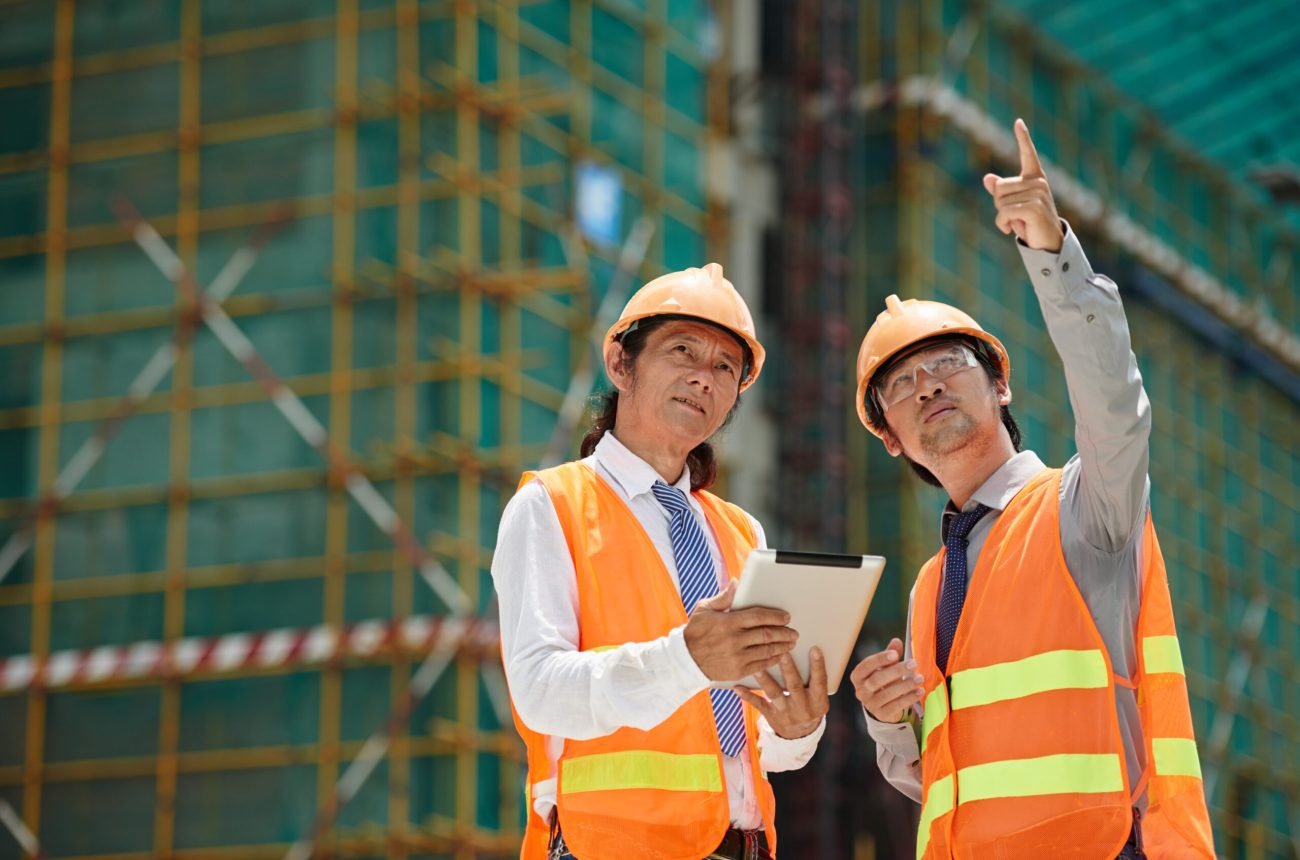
691,403
941,411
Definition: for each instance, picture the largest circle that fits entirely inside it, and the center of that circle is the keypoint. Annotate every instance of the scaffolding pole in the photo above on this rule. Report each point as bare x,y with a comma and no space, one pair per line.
358,486
144,384
291,407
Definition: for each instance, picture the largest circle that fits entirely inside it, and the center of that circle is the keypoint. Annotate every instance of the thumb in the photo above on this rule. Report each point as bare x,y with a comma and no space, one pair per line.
896,645
991,183
721,601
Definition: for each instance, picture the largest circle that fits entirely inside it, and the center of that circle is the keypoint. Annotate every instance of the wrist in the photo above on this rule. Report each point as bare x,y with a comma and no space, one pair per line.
679,651
795,733
906,717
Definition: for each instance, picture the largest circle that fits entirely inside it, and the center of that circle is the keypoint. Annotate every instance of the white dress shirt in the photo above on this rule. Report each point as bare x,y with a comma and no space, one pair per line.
562,692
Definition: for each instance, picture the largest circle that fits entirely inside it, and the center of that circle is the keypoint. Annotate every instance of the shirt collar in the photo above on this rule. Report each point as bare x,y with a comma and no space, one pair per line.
633,474
1000,488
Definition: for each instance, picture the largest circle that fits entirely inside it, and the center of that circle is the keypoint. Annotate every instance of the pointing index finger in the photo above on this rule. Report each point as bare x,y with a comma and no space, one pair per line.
1030,166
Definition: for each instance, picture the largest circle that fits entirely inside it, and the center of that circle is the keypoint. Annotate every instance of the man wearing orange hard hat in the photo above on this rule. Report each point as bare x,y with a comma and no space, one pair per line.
614,575
1039,706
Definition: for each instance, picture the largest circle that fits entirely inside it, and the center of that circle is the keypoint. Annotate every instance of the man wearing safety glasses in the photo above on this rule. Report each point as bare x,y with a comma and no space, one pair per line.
1039,707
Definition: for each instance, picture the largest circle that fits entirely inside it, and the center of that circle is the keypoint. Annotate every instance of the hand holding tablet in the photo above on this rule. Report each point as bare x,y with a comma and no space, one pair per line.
826,597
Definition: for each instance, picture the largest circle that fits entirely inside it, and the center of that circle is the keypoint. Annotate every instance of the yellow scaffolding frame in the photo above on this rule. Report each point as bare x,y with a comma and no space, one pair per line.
513,105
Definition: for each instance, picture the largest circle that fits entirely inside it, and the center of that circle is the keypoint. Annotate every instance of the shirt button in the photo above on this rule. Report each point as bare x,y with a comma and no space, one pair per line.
1046,272
1065,267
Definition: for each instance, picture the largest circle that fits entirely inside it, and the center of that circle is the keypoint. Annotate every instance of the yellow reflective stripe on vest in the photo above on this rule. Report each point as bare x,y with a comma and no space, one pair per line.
1161,654
937,802
1068,773
1175,757
1051,670
936,711
640,769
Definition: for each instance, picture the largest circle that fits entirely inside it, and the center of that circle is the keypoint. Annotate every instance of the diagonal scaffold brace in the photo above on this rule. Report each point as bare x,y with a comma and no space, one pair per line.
372,503
144,384
629,262
360,488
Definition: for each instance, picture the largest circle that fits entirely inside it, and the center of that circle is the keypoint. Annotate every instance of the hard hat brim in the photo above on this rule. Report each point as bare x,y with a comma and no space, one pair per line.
757,353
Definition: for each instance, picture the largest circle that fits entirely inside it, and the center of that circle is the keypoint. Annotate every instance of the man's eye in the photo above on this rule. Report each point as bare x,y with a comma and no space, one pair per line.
947,362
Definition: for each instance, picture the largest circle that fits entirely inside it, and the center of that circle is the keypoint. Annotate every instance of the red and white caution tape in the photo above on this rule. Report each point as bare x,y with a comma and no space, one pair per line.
376,747
359,487
141,387
440,637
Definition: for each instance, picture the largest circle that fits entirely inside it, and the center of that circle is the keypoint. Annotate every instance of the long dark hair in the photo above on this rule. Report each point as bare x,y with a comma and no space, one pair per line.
701,461
992,368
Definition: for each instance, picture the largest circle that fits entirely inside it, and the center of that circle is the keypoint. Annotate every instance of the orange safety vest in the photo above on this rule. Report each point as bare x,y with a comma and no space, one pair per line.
660,793
1021,752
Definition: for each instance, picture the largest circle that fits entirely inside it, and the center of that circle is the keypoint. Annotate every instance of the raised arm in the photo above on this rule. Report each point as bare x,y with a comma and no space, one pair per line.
1085,319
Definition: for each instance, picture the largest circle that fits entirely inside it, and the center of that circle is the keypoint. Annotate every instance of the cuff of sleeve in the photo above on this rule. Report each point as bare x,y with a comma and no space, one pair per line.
770,742
683,663
778,754
1057,273
899,738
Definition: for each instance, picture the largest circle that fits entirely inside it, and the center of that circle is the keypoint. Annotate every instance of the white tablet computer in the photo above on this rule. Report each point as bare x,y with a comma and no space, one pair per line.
826,595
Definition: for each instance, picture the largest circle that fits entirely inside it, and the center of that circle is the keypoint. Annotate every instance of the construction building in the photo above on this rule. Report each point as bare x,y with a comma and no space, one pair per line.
291,292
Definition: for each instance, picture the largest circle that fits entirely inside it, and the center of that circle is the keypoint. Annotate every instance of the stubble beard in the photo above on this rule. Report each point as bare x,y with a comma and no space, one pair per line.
955,432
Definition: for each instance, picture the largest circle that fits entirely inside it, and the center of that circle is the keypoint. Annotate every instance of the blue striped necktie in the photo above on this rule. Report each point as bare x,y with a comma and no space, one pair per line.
954,582
697,580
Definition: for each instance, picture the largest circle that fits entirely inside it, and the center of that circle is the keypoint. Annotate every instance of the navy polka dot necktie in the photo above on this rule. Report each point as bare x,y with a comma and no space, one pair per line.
954,582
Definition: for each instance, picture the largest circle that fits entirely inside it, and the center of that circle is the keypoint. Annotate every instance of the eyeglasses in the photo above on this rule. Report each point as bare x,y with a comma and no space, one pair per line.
940,362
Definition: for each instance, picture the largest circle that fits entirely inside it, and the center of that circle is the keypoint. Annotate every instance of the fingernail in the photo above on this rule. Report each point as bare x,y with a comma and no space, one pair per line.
892,656
918,679
911,664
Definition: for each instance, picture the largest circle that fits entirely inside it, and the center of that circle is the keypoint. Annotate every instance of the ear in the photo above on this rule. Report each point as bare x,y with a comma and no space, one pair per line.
1004,392
892,444
616,368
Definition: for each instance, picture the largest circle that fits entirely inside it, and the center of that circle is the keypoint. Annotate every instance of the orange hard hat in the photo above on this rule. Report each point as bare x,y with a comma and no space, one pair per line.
905,323
701,293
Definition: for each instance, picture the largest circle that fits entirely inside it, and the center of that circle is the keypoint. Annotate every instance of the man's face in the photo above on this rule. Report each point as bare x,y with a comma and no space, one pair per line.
684,382
939,400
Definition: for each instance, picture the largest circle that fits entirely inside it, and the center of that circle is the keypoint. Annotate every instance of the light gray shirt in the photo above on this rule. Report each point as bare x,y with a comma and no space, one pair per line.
1104,487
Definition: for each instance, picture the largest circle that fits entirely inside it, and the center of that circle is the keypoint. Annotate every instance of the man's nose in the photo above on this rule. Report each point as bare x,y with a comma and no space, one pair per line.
701,375
928,386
